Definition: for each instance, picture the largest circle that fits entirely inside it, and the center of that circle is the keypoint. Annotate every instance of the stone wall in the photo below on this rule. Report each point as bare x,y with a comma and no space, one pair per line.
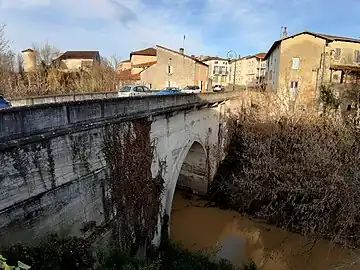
53,173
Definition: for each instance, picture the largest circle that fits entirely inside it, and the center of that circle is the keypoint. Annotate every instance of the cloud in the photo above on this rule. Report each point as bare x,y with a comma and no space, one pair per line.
212,27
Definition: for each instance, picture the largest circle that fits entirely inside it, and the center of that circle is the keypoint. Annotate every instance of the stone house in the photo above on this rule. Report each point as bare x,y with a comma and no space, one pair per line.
74,60
68,61
162,67
298,65
219,69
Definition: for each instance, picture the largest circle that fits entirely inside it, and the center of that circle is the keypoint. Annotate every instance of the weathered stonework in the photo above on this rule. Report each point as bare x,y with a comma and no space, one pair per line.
59,181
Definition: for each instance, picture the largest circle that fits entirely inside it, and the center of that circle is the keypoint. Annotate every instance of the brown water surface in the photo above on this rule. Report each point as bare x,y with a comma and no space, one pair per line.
240,239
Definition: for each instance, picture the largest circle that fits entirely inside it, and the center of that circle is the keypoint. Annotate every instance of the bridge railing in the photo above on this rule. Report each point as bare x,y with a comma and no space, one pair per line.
60,98
20,122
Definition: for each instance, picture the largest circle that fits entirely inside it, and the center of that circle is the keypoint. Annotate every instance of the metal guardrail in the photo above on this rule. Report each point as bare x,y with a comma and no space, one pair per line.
19,122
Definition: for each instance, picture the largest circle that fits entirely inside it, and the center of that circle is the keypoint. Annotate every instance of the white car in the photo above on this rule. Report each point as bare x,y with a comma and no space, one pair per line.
218,88
191,89
134,90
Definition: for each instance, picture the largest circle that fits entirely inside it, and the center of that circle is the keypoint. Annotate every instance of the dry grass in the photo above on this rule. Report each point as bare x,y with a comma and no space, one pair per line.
297,170
54,81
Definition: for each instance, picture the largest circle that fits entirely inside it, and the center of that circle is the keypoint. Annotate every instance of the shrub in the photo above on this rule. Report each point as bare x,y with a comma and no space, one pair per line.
299,172
53,253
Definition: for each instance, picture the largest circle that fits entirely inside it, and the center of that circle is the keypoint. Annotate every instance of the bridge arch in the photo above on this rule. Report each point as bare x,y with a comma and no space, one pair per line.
190,171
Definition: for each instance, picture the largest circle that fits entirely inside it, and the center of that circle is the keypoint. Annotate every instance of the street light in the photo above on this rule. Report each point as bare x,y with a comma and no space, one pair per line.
231,55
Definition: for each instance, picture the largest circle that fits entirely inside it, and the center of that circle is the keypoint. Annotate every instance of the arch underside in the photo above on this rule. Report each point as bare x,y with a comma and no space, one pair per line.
193,173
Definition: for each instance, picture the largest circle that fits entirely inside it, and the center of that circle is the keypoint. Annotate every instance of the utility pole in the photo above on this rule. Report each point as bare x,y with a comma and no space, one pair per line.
231,55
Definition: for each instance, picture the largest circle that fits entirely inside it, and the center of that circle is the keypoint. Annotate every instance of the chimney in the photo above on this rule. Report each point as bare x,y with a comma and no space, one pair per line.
284,34
29,56
181,50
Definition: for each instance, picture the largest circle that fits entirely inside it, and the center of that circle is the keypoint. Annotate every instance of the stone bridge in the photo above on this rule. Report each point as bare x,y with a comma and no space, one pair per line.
53,170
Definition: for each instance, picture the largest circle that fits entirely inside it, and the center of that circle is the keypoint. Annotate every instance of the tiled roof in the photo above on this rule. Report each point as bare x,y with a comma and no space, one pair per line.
125,75
79,55
329,38
260,55
147,64
27,50
187,56
214,58
146,52
126,61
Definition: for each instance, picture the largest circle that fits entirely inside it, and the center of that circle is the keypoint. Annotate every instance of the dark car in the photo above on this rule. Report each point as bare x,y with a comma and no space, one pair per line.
169,91
4,103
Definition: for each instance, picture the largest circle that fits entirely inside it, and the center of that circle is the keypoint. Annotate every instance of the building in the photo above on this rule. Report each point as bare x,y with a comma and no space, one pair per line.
162,67
249,70
67,61
74,60
29,56
298,65
219,69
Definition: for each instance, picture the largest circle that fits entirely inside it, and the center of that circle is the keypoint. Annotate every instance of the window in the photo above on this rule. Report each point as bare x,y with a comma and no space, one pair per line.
146,89
295,63
216,62
138,89
223,70
294,87
357,56
216,70
170,69
337,53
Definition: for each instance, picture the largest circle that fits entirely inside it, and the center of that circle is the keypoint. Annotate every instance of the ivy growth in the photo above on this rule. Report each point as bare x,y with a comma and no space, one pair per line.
328,98
135,194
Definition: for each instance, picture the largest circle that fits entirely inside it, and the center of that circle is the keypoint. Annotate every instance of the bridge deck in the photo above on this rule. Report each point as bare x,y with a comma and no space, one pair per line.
44,119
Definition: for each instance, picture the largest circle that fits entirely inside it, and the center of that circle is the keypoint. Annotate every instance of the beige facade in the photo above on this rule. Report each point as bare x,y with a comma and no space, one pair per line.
124,65
176,69
29,56
219,69
299,64
68,61
249,70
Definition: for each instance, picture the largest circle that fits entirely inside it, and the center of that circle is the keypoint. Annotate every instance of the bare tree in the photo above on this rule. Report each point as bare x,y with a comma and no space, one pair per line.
4,43
6,55
45,53
112,62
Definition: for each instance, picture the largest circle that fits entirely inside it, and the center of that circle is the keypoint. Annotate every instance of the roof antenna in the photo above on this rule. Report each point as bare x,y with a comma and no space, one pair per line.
284,33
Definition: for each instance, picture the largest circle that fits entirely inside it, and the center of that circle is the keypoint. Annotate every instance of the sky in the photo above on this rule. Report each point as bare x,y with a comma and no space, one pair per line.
211,27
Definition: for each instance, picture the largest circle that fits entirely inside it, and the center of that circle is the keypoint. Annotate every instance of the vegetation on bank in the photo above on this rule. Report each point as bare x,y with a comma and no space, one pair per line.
298,171
76,253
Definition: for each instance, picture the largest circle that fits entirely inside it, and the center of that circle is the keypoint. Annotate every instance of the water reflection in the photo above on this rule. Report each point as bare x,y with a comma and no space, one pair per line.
239,239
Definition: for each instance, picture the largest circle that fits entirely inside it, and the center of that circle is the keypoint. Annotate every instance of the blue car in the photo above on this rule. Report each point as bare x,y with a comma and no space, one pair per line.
169,91
4,103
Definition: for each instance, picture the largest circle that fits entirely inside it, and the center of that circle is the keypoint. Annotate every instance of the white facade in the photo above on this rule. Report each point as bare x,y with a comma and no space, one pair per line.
219,70
249,70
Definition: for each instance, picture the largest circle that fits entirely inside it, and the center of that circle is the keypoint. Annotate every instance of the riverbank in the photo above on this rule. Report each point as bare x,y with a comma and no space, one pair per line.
75,253
241,239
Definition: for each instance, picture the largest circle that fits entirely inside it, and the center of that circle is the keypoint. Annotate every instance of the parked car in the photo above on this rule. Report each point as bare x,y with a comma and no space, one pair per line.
134,90
4,103
169,91
193,89
218,88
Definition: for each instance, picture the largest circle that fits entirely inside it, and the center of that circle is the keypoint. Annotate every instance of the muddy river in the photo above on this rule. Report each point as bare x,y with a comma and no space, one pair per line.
231,235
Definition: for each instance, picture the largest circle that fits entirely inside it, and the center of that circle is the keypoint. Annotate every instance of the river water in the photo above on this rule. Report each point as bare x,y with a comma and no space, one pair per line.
231,235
